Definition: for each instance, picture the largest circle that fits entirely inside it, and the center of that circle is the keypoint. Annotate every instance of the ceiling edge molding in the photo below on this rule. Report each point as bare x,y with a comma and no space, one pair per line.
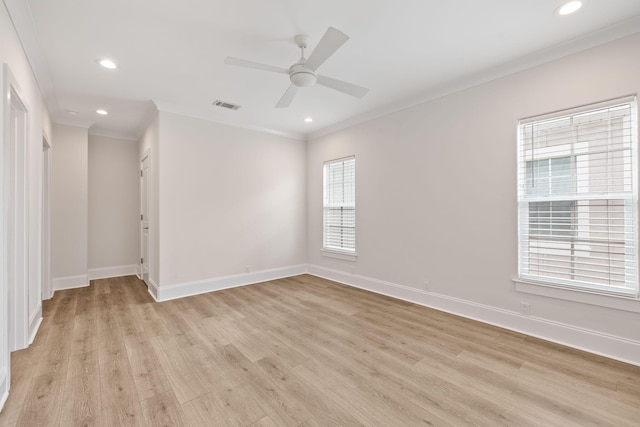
23,23
239,123
84,124
112,135
605,35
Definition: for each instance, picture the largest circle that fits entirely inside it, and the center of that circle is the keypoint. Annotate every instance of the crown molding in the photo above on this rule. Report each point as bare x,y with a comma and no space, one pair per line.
22,19
614,32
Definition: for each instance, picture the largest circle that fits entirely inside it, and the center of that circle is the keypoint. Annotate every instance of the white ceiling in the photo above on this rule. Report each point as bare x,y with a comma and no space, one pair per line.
172,53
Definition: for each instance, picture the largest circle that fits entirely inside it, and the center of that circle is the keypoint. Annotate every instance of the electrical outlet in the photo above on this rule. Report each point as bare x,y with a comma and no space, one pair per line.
525,308
426,285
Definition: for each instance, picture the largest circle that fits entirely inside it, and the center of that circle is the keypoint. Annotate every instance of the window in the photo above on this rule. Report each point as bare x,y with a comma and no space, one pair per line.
577,198
339,232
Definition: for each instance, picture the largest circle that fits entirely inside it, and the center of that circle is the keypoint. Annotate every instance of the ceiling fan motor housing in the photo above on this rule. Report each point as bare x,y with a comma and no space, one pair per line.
302,76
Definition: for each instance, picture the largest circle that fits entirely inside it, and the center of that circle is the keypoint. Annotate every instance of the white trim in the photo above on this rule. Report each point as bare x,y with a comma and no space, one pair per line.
70,282
19,205
24,25
116,271
153,289
92,131
46,288
143,190
5,356
346,256
222,119
165,293
578,295
610,346
4,389
35,327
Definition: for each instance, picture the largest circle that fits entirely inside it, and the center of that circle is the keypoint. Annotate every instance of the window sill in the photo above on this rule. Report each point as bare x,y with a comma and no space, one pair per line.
617,302
345,256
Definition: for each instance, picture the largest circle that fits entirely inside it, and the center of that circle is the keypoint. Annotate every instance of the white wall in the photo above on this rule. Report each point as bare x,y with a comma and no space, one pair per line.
436,191
229,198
114,244
11,53
69,207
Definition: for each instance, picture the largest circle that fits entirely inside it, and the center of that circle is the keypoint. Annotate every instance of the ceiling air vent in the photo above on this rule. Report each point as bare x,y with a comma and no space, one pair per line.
226,105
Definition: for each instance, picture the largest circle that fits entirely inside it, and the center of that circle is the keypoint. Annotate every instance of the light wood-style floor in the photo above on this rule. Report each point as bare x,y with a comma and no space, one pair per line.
298,351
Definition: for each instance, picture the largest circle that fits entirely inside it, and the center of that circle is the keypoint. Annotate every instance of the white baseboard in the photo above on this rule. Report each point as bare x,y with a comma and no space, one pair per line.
591,341
165,293
34,323
153,289
4,387
117,271
70,282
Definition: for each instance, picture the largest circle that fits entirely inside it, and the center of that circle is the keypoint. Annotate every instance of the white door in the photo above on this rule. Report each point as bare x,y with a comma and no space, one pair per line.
144,220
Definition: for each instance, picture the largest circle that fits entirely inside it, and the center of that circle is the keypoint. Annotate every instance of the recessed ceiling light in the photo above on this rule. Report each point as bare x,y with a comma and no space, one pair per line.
308,120
107,63
73,113
569,7
102,112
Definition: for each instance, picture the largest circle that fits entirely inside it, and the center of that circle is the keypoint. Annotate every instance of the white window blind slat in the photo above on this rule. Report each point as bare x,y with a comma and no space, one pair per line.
339,206
577,197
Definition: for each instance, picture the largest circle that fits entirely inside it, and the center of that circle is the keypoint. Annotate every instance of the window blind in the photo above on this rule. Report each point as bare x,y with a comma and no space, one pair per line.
577,197
340,205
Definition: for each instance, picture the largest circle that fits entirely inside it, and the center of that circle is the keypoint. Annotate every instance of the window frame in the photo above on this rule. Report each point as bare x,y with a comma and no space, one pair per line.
543,285
332,251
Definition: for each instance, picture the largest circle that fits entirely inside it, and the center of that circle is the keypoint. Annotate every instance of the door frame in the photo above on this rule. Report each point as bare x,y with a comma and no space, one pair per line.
47,289
17,202
144,199
5,359
14,313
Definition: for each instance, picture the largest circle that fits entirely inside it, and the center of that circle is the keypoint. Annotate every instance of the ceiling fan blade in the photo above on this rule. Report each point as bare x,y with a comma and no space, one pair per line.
328,44
288,96
250,64
344,87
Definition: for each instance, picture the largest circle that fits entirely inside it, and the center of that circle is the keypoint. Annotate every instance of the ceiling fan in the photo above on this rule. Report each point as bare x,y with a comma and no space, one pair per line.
303,73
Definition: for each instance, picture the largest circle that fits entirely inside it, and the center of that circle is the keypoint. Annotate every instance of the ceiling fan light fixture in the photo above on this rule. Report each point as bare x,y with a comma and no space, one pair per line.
303,78
569,7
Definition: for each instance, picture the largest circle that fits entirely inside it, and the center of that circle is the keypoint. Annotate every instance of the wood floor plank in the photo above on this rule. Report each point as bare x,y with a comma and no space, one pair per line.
81,401
120,401
184,369
266,422
323,412
298,351
23,368
164,410
211,331
148,374
149,319
85,332
42,408
224,406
